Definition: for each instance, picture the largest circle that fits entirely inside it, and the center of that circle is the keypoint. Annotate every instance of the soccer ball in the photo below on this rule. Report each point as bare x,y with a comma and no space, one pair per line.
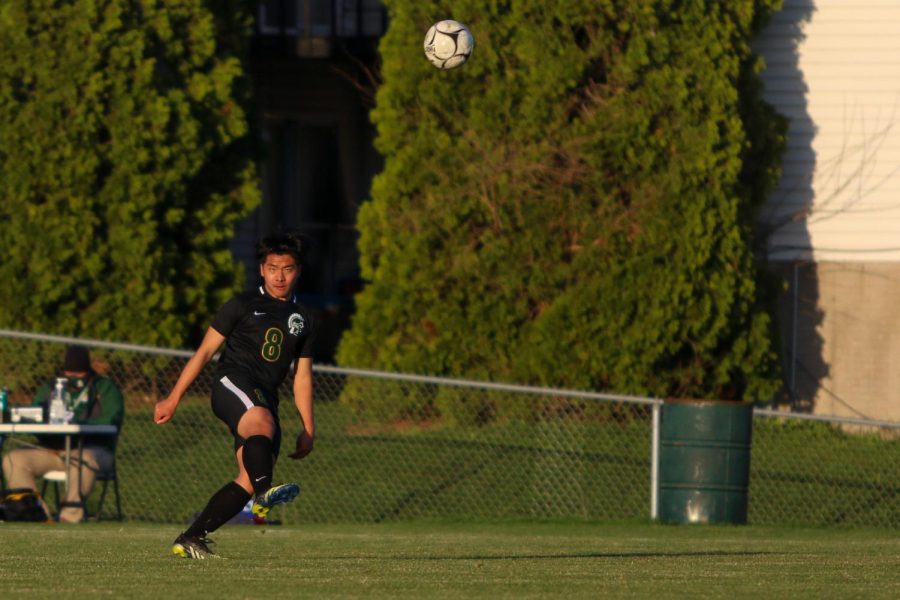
448,44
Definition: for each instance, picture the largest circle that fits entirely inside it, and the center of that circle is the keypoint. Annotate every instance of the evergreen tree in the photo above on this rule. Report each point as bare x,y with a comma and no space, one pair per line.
126,163
574,206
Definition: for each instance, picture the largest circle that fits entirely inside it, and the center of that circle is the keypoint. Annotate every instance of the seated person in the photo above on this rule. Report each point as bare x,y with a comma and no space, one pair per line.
93,399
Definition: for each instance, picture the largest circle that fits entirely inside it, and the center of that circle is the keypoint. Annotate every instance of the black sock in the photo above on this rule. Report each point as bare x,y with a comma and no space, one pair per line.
223,505
258,462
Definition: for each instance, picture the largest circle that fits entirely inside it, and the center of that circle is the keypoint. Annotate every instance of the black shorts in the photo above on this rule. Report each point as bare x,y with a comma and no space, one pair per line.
234,395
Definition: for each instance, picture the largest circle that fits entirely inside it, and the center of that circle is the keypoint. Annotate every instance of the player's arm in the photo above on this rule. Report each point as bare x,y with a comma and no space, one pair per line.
165,409
303,400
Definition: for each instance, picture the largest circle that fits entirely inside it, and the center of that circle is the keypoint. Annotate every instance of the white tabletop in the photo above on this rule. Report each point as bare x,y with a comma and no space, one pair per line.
47,428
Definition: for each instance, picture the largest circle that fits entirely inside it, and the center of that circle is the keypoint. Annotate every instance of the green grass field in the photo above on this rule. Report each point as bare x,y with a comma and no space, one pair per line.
452,560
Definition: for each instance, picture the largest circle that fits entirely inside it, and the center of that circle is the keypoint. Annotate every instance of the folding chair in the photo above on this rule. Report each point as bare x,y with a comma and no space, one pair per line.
103,477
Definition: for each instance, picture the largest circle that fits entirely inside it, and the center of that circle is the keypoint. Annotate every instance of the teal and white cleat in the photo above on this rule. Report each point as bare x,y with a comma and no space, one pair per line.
275,495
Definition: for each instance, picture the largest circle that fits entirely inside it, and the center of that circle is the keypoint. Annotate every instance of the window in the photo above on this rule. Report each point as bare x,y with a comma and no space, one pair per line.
311,18
322,18
359,18
277,17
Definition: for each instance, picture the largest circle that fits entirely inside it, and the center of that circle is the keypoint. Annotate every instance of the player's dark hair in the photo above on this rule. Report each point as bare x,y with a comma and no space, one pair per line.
282,243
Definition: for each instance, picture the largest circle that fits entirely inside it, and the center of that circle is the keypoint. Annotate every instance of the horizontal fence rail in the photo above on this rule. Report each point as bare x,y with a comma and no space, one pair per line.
397,446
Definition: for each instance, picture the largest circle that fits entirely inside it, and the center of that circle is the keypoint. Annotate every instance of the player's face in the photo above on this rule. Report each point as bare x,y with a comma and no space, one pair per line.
280,272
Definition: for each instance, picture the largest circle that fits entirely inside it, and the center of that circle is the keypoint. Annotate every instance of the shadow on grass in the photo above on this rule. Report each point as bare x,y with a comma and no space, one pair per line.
564,555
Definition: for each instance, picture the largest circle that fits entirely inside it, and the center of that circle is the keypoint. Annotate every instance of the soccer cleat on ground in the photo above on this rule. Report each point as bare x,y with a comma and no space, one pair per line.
279,494
193,547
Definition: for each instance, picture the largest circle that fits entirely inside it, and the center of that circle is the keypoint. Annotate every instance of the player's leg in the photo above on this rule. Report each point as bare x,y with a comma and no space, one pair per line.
278,494
223,505
259,433
233,496
243,478
257,429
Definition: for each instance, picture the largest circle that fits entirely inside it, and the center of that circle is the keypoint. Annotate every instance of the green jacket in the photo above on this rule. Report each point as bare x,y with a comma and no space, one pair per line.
97,401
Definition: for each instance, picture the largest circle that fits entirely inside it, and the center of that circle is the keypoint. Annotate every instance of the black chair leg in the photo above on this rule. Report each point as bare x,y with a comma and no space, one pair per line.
118,499
100,503
55,495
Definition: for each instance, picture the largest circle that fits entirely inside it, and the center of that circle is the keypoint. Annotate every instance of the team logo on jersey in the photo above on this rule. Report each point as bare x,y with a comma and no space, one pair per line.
296,324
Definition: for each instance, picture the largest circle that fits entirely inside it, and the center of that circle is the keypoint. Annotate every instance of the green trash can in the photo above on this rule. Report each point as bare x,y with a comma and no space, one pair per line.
704,461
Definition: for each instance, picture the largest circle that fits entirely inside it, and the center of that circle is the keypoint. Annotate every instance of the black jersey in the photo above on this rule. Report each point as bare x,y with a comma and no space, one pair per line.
264,336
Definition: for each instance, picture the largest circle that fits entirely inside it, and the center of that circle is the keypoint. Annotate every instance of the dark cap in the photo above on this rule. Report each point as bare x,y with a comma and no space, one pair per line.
78,360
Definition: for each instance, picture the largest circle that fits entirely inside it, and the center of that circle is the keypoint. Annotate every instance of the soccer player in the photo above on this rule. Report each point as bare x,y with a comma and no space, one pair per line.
264,332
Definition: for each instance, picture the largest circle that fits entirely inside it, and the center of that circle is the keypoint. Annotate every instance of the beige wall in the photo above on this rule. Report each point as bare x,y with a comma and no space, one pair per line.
840,328
832,70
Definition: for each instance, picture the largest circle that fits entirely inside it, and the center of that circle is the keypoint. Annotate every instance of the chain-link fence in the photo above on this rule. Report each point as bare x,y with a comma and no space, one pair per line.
824,471
399,447
385,448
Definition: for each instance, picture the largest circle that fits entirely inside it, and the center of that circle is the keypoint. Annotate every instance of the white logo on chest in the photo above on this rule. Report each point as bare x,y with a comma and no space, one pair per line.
296,324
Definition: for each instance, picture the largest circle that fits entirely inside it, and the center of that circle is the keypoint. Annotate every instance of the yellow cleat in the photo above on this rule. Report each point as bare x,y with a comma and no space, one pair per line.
190,547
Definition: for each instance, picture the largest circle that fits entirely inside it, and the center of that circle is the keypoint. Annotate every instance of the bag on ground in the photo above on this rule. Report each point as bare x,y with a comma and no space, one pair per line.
21,504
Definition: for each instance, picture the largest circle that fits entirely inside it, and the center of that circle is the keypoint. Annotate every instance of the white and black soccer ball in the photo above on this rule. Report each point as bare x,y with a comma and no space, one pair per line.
448,44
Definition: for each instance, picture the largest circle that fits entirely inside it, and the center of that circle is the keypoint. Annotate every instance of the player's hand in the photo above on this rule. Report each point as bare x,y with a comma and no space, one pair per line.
304,446
165,410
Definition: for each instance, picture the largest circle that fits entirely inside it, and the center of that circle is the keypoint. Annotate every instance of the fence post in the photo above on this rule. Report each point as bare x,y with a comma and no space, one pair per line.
654,463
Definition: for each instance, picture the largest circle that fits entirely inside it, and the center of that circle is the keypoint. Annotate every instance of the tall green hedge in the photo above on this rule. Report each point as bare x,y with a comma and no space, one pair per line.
126,162
575,205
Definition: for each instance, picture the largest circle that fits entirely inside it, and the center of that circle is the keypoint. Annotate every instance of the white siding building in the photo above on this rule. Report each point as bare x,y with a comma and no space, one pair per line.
833,68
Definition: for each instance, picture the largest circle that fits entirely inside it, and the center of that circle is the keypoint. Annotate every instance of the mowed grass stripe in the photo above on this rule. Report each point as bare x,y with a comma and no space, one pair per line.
452,560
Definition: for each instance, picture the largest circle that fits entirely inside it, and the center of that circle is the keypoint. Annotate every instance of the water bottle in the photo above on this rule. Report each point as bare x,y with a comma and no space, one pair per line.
4,405
58,403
